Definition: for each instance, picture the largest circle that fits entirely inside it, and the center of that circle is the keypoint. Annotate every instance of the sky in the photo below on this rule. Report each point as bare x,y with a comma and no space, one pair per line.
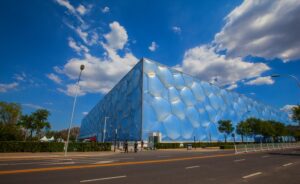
234,44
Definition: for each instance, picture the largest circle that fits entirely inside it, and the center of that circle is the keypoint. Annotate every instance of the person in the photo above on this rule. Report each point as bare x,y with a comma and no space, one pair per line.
135,146
126,146
142,145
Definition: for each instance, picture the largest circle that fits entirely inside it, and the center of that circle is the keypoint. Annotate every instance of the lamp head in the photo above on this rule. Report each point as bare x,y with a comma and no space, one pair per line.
81,67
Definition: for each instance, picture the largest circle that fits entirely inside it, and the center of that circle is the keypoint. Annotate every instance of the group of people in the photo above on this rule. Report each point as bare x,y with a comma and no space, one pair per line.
125,146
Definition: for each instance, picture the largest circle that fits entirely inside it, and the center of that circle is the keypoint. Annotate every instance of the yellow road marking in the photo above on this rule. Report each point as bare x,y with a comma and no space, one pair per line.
110,164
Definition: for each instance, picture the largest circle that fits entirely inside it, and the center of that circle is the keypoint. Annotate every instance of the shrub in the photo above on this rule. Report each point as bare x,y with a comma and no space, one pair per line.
18,146
167,145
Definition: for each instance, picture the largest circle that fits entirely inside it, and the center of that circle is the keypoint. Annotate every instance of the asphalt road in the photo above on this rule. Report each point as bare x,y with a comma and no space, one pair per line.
159,167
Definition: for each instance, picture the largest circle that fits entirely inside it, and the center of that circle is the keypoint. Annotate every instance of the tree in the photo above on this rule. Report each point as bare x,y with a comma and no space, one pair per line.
40,120
27,122
243,129
279,129
225,126
9,113
36,121
296,114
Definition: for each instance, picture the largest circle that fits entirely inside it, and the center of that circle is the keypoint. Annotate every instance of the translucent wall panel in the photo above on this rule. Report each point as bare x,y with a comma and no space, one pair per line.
123,107
182,107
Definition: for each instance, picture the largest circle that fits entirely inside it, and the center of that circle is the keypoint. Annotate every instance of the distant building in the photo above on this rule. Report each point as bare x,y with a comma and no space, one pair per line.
153,98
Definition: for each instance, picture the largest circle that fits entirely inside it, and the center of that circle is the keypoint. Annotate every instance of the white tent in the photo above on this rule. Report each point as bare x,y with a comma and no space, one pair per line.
51,139
44,139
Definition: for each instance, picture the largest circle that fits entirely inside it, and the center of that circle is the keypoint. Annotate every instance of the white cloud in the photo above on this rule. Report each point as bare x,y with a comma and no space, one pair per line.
71,90
81,9
105,9
117,37
153,46
260,81
20,77
176,29
85,113
268,29
54,78
66,4
6,87
288,109
100,74
78,48
204,63
32,106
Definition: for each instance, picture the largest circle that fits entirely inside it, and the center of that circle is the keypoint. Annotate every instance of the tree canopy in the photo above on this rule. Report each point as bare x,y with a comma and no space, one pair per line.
225,126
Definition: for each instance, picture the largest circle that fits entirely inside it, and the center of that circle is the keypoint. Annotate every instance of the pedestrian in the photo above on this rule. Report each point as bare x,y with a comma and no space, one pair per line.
142,145
126,146
135,146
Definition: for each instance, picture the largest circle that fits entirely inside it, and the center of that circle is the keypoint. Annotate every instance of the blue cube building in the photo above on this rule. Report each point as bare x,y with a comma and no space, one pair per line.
155,98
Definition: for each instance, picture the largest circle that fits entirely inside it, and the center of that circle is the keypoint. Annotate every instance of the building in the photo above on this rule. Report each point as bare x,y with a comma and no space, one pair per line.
153,98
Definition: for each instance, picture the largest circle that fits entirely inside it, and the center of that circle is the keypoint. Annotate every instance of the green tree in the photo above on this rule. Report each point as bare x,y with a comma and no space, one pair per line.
9,115
225,127
296,114
40,120
279,129
27,122
243,129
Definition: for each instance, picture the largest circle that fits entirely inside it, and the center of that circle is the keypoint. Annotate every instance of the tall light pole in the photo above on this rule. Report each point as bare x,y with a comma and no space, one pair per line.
104,128
290,76
73,109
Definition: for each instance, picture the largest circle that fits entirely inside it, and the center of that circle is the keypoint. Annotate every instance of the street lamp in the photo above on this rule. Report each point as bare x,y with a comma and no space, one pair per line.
73,109
290,76
104,128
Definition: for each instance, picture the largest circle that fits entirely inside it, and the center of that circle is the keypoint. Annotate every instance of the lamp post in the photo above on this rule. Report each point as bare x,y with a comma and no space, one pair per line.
290,76
104,128
73,109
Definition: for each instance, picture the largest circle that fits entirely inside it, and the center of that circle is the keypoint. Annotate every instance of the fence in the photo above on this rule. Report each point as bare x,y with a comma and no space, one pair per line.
244,148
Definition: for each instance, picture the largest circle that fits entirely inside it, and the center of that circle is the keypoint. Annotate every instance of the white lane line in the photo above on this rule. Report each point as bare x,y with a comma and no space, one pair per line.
28,163
266,156
126,158
60,163
101,179
192,167
240,160
251,175
284,165
163,156
104,161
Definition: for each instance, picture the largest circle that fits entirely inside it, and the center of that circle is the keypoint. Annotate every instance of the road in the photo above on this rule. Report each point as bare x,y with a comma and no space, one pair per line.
159,167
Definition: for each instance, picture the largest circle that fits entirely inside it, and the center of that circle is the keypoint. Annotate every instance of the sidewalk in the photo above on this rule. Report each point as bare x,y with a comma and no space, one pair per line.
53,155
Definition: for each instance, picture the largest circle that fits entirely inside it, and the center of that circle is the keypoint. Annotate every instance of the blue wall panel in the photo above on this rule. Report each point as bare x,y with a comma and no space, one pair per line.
182,107
123,107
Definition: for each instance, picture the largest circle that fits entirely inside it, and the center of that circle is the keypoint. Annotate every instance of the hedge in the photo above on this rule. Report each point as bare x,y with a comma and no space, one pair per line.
227,146
18,146
167,145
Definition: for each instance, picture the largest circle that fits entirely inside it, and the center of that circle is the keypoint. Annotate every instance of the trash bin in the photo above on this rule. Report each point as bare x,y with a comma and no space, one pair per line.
189,146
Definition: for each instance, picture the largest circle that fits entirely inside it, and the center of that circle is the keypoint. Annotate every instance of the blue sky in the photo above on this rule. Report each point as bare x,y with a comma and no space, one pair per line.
235,44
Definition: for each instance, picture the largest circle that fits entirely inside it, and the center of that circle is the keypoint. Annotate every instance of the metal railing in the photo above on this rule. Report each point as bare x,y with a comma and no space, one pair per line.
254,147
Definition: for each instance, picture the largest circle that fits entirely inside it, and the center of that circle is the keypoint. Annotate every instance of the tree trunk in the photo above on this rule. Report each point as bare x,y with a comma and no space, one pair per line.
225,138
242,138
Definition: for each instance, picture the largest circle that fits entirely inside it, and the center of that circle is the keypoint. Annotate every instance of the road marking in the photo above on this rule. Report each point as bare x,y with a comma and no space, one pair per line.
28,163
284,165
163,156
251,175
240,160
265,156
101,179
104,162
112,164
126,158
192,167
59,163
